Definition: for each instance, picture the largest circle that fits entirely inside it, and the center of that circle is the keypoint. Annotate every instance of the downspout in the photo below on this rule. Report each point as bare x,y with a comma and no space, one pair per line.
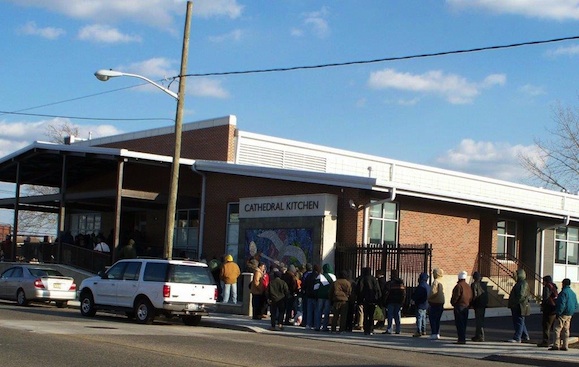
202,208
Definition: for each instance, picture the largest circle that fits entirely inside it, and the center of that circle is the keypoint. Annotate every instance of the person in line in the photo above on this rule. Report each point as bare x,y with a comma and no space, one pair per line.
340,292
311,297
369,294
394,294
381,277
257,290
420,301
480,300
436,302
548,301
229,273
304,295
461,300
352,304
519,305
290,277
128,251
322,288
277,293
565,307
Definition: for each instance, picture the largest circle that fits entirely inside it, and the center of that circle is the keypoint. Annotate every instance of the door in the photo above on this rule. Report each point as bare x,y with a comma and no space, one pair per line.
106,287
127,288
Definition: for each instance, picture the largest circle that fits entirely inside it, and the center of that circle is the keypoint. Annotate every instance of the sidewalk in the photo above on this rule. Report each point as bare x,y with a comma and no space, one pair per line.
498,329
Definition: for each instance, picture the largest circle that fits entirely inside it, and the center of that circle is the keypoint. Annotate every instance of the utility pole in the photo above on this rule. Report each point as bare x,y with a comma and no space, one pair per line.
174,184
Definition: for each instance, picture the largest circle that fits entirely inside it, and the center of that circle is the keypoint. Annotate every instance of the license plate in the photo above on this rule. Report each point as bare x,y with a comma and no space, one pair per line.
56,286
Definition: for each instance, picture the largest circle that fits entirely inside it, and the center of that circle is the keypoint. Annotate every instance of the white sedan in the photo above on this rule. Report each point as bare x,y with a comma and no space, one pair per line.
26,283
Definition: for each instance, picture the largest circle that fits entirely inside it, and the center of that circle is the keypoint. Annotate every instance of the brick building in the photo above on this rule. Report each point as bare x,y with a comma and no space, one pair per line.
252,195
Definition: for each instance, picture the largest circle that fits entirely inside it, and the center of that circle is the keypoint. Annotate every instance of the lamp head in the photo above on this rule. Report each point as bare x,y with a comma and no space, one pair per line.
104,75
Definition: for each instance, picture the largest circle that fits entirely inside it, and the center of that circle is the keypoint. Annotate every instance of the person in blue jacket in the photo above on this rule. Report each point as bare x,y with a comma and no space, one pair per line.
420,301
565,307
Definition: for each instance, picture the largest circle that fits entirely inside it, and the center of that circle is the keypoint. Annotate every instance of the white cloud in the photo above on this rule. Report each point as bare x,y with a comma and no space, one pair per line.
234,35
31,29
489,159
532,90
316,22
565,50
106,34
454,88
545,9
206,87
157,13
155,69
17,135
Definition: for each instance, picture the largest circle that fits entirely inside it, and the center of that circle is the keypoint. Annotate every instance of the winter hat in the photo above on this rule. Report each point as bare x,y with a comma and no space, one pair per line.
423,277
309,267
548,279
462,275
437,273
228,258
476,275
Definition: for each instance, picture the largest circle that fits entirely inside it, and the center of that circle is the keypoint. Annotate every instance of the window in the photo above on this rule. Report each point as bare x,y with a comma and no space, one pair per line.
86,223
189,274
132,271
383,224
155,272
506,239
116,271
567,246
187,231
232,228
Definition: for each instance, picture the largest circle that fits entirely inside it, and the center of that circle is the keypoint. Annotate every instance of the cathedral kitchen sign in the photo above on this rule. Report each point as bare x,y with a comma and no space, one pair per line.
288,206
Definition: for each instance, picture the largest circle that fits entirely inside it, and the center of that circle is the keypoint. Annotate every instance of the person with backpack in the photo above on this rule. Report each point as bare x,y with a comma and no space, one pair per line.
369,294
548,300
480,300
322,288
394,294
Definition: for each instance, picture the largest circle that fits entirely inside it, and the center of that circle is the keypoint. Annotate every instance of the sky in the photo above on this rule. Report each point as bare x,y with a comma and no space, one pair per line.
473,112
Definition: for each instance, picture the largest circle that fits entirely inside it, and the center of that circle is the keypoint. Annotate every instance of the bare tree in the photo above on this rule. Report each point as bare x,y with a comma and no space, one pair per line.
43,223
557,162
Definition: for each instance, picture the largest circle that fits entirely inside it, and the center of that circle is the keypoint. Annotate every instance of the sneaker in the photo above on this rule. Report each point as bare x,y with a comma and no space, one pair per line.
513,341
387,332
475,339
433,337
416,335
460,342
555,348
272,328
280,326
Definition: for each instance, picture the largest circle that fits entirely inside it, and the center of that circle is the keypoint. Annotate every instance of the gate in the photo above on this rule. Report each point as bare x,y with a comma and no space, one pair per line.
409,260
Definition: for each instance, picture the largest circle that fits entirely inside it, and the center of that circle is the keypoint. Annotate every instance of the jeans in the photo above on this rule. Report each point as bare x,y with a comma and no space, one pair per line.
322,314
421,321
479,318
368,323
230,290
257,305
519,324
311,305
394,313
460,321
435,315
277,312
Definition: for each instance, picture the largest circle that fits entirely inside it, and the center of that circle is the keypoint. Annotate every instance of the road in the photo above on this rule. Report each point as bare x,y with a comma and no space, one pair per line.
42,335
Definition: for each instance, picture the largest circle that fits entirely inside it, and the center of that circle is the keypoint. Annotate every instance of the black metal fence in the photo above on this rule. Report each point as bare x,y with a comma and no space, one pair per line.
409,260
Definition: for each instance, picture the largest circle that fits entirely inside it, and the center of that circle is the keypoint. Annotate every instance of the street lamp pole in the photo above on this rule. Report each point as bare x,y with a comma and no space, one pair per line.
105,75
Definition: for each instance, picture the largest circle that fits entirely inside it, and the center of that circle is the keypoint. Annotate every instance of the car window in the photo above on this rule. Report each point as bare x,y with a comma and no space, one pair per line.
155,272
17,273
8,273
116,271
132,271
44,272
189,274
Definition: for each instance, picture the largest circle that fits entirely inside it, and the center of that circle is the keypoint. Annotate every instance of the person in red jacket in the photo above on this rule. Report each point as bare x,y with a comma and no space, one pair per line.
461,300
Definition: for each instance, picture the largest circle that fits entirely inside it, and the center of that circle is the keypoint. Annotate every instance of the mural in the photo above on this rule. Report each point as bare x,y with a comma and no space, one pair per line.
280,246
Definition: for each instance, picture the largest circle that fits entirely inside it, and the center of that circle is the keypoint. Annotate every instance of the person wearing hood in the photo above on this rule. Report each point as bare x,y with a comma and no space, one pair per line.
480,300
322,290
436,302
461,300
393,295
229,273
369,294
340,292
420,301
277,293
548,300
519,305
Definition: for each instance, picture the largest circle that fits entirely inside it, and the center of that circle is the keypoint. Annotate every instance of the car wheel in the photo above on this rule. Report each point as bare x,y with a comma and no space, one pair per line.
144,312
191,320
61,304
21,298
87,304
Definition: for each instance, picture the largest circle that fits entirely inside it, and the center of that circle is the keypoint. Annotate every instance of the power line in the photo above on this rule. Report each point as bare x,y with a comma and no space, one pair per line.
418,56
85,118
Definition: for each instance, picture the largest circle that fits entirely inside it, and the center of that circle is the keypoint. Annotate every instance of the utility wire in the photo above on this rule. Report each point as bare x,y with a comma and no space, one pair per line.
86,118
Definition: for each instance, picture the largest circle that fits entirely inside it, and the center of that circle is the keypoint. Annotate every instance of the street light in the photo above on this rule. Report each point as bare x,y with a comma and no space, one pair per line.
104,75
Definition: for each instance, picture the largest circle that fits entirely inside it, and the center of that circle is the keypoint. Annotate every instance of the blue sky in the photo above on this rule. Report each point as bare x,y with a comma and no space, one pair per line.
471,112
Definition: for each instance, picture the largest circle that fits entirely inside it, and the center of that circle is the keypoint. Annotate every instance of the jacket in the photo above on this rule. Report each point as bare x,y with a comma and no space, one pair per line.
394,292
566,302
323,282
420,295
519,296
436,296
277,290
368,289
340,290
257,284
480,297
461,294
230,272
